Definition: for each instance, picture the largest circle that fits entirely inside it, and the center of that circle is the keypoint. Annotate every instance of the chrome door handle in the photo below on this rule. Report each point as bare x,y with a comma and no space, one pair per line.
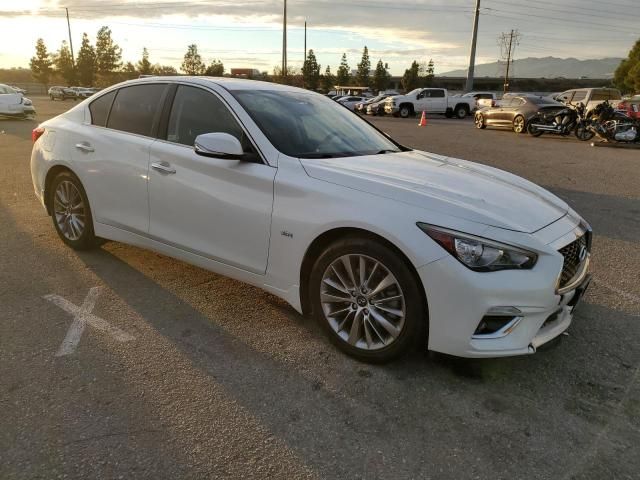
163,167
85,147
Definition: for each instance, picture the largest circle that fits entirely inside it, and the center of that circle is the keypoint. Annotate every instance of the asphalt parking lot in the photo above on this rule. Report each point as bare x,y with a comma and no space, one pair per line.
181,373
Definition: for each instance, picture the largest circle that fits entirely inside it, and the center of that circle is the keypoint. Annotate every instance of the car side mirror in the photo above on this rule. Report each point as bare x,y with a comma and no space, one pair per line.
218,145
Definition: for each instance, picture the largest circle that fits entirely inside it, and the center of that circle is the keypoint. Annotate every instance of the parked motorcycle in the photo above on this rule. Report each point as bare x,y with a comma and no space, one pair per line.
560,121
611,125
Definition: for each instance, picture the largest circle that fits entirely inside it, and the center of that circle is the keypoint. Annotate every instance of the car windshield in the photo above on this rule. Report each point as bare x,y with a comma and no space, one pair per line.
6,89
541,100
308,125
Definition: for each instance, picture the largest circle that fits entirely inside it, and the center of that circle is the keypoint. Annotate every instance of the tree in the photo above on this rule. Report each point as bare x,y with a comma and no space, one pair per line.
144,65
63,61
343,76
164,70
311,72
108,53
627,75
411,77
364,67
381,77
426,73
129,71
192,64
216,69
41,63
86,62
292,77
328,80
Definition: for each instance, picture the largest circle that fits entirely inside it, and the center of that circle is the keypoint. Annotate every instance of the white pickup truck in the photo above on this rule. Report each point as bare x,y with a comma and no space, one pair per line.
430,100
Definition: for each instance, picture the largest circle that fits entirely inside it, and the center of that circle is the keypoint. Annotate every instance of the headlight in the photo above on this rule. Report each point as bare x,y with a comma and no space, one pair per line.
478,253
27,102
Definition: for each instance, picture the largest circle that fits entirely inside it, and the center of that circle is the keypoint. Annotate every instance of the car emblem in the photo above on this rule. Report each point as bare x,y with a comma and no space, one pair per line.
582,254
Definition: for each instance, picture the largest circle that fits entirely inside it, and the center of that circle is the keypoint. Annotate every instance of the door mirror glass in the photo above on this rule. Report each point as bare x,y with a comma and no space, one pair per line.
218,145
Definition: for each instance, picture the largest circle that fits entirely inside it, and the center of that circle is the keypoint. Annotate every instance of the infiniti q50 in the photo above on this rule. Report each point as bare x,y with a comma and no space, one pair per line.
386,246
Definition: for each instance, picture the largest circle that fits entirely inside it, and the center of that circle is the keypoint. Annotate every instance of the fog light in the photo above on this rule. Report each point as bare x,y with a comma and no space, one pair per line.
498,322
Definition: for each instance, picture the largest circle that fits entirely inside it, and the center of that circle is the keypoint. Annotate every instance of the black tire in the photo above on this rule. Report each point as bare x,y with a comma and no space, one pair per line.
405,111
448,113
531,130
86,239
583,133
479,121
519,124
415,327
461,111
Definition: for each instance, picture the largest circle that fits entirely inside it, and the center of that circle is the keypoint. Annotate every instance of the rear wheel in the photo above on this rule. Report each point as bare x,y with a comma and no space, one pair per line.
532,129
479,121
518,124
461,111
367,300
71,212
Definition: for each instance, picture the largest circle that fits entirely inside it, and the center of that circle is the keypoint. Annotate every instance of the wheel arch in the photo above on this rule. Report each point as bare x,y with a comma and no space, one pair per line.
317,246
463,105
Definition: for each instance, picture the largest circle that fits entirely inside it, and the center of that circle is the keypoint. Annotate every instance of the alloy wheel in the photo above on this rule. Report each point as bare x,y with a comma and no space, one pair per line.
69,210
362,301
518,124
479,120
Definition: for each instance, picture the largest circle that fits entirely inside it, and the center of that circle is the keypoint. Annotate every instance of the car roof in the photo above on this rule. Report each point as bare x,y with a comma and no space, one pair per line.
227,83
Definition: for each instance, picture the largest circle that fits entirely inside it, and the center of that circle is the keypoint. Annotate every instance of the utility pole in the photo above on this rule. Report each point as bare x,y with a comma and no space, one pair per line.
508,45
305,41
73,61
472,52
284,40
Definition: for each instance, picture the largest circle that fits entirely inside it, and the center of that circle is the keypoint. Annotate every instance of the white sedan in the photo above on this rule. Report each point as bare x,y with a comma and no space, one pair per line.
350,102
14,104
387,247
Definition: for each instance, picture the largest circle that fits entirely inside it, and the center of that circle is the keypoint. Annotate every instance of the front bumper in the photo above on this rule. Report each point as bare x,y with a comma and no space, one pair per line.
459,299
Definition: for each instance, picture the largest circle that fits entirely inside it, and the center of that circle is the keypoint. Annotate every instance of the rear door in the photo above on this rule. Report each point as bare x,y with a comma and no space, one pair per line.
437,100
112,154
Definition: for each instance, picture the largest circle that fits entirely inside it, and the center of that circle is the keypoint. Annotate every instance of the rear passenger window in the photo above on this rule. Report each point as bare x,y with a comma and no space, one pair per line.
196,111
135,109
579,96
437,94
99,109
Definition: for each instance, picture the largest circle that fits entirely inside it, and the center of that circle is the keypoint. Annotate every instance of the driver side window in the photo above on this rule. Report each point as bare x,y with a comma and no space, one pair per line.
195,111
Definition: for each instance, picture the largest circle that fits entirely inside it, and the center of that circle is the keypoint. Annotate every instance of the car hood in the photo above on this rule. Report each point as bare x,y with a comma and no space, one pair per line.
449,186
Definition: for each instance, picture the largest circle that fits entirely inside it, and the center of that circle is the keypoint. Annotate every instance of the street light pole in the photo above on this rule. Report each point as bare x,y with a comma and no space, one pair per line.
284,40
73,61
472,53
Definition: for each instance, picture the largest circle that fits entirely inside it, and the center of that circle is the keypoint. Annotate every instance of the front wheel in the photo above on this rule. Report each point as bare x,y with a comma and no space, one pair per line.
71,212
405,111
479,121
532,129
518,124
367,300
583,133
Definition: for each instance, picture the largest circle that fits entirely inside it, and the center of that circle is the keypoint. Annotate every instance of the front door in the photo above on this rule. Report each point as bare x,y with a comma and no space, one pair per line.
216,208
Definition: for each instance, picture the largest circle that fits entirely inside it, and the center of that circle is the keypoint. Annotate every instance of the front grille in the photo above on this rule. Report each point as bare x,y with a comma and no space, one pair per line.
572,261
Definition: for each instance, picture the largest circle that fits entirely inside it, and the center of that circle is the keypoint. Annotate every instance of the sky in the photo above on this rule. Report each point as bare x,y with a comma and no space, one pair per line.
248,33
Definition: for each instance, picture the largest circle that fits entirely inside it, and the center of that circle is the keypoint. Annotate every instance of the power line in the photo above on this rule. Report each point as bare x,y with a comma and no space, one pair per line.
508,42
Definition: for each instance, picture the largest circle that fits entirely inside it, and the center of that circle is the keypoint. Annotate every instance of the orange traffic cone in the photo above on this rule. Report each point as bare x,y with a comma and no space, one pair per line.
423,120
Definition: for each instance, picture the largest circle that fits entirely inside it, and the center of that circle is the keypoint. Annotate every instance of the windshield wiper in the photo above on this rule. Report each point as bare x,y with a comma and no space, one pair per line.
322,155
382,152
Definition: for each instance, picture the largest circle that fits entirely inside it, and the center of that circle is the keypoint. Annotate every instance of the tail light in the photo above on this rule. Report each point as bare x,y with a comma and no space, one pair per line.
36,133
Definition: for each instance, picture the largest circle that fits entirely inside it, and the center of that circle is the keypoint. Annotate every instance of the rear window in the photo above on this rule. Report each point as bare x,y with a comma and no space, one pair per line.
99,109
601,95
135,109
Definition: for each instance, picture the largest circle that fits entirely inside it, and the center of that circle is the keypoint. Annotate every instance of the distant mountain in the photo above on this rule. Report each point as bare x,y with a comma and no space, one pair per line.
547,67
